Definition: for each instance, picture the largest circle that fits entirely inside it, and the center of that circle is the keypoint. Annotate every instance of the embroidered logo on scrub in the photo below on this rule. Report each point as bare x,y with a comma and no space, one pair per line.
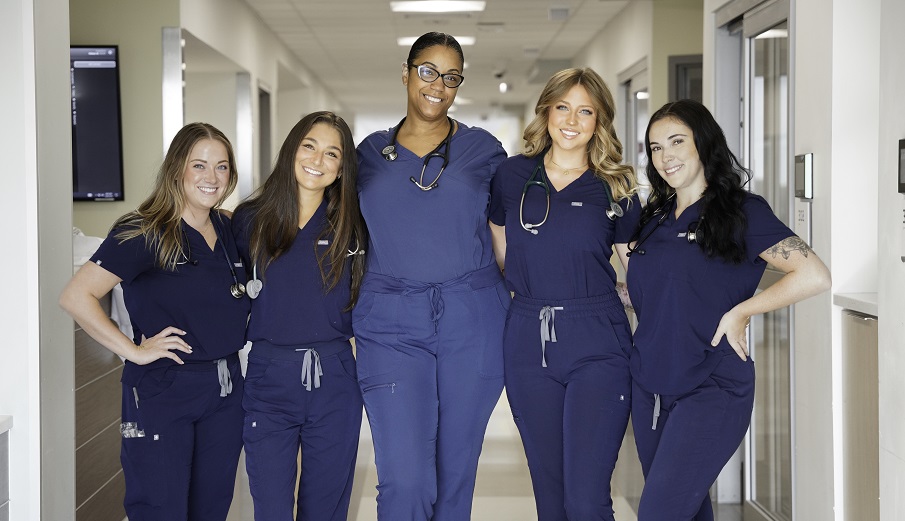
131,430
577,203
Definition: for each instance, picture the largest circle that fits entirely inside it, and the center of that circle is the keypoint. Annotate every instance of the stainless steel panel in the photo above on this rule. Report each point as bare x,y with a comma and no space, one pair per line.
860,424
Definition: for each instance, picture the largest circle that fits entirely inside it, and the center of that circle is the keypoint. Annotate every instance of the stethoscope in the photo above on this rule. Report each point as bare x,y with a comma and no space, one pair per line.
539,178
237,289
255,285
389,153
692,234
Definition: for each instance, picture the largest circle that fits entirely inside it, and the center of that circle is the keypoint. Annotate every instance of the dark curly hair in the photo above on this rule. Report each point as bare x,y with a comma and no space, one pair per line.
723,224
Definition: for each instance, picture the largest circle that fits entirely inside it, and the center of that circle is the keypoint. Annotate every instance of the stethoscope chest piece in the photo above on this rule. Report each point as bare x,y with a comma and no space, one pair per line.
237,290
389,152
253,288
614,211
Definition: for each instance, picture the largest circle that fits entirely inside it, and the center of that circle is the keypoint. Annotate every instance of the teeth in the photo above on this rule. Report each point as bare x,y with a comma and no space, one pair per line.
207,189
432,99
312,172
673,169
569,133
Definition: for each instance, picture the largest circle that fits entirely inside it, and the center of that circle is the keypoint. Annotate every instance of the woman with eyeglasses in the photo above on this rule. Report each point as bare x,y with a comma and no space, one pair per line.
429,320
557,211
182,282
696,260
300,239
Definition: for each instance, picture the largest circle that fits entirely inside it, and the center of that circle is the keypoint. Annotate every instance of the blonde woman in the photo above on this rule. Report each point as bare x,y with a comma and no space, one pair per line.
556,214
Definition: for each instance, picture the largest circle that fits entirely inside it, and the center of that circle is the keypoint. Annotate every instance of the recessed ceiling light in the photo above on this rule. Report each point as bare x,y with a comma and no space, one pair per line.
407,41
437,6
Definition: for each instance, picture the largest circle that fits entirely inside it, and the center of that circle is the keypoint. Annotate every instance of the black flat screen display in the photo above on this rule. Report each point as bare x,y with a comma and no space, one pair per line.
97,152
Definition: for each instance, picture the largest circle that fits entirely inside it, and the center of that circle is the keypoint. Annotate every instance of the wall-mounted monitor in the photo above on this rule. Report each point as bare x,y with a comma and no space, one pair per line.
97,150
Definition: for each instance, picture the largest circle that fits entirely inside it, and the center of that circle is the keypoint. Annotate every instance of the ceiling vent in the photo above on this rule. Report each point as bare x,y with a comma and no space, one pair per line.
543,69
559,13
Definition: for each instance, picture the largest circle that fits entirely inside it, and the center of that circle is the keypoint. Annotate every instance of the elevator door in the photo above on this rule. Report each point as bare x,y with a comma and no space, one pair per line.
767,131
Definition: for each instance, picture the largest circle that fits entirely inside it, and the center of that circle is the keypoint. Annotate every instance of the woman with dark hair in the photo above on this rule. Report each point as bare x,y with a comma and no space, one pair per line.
555,217
300,237
181,384
429,321
697,257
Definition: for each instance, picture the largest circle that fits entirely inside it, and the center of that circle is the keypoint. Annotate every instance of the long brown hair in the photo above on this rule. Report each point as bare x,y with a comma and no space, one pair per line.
604,148
159,217
275,208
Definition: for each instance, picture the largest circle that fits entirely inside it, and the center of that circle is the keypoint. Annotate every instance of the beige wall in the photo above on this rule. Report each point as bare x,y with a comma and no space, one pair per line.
677,28
136,28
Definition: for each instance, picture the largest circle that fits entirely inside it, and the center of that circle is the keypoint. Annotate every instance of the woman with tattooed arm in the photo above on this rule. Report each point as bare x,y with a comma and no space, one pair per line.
697,256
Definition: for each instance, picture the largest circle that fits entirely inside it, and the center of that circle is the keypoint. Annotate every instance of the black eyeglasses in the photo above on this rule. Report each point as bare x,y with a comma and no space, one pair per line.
430,75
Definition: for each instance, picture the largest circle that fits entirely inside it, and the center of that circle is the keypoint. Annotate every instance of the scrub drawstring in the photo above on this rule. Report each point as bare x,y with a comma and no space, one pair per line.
226,383
656,411
547,330
436,299
307,368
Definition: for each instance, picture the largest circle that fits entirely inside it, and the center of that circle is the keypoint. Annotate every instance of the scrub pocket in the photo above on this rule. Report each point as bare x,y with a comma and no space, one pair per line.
375,323
492,305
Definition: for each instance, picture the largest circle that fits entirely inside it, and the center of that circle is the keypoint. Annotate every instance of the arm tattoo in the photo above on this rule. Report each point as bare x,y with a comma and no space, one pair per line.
787,247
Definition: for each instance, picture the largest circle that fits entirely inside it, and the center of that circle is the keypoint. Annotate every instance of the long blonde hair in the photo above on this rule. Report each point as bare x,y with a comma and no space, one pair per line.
159,217
604,148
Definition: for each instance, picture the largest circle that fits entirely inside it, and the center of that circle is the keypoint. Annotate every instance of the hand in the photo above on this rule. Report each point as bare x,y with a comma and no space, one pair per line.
733,326
622,291
160,346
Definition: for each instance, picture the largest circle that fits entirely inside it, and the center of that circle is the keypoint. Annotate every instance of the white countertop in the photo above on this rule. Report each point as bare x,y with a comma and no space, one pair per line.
6,423
861,302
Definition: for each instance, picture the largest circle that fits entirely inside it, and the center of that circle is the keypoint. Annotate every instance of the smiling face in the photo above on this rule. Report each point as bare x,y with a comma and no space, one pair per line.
431,101
318,159
675,156
206,176
572,120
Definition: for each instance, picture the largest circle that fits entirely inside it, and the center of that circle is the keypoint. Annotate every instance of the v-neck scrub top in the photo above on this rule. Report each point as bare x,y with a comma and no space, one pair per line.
569,257
680,295
195,297
292,308
428,236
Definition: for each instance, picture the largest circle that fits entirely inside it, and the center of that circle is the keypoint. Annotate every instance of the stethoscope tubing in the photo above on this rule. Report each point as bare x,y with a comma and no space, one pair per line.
613,212
389,153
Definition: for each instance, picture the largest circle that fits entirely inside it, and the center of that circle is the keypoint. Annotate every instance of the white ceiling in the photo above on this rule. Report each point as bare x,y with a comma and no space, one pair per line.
350,45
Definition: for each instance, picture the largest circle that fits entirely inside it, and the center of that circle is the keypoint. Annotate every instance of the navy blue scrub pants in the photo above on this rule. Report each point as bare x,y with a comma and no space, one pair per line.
571,414
181,442
289,405
696,434
430,366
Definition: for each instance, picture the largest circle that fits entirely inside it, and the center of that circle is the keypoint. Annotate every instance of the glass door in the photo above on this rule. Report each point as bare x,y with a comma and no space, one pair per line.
767,155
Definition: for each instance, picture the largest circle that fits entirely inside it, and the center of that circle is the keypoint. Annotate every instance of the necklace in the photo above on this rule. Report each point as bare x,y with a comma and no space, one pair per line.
565,171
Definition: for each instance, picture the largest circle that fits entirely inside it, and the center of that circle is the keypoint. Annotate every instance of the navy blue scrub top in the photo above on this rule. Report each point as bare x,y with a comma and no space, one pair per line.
680,295
431,236
570,255
195,297
292,308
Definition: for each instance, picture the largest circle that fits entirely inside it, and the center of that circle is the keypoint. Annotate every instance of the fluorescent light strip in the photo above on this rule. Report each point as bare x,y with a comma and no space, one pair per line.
407,41
437,6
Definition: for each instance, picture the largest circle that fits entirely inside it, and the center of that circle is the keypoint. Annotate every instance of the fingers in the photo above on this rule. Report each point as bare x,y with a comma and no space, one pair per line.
167,340
167,331
740,349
